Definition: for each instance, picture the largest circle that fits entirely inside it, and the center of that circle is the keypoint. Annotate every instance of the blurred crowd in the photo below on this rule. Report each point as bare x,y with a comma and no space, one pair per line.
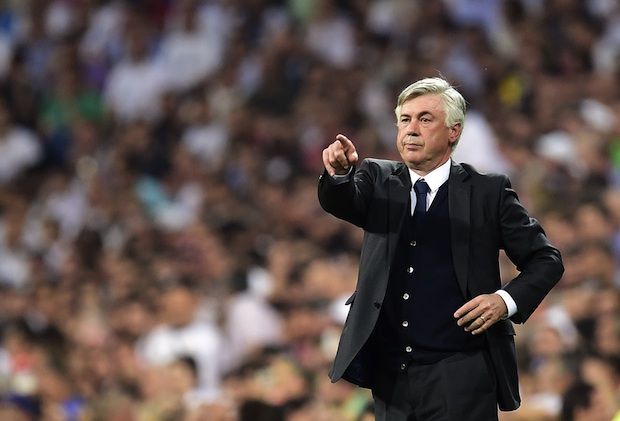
162,252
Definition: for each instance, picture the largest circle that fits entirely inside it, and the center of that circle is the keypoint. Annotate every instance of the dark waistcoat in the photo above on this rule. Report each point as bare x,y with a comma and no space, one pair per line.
416,321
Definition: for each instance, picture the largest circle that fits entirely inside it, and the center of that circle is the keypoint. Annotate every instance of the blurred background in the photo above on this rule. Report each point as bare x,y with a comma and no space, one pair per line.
162,252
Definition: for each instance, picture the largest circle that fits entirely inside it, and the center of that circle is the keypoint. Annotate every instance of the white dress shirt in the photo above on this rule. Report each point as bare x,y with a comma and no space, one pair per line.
434,179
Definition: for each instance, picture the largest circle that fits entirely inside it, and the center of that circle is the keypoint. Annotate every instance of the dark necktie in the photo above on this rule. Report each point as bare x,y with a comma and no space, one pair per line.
421,190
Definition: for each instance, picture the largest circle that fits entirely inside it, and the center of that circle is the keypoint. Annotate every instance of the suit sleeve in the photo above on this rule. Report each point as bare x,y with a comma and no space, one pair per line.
349,198
539,262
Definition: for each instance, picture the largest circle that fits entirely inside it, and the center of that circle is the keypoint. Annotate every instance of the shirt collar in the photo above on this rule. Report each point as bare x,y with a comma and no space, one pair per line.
435,178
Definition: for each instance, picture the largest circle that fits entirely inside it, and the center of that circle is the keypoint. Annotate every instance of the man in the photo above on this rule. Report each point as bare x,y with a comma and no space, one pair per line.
428,329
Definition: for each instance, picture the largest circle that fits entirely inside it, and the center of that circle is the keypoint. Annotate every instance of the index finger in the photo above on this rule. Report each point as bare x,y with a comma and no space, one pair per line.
347,145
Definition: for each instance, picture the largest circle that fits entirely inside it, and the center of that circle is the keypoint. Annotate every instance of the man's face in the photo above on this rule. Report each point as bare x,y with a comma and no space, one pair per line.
423,140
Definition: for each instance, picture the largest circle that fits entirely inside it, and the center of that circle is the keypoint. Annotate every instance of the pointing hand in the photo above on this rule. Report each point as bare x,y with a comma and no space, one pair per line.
340,156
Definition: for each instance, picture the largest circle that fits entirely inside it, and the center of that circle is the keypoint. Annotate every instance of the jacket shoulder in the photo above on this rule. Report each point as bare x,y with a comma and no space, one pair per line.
480,177
384,165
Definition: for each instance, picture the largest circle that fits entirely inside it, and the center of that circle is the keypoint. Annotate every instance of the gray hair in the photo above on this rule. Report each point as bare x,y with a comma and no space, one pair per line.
453,102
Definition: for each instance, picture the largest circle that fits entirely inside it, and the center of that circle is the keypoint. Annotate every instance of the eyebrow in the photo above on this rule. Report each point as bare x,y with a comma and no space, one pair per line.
424,112
418,115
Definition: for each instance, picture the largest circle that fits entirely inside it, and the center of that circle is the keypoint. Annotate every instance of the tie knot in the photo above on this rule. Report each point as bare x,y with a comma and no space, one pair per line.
421,187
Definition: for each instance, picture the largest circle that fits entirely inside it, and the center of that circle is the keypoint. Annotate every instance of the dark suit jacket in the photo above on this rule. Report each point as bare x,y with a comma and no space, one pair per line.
485,216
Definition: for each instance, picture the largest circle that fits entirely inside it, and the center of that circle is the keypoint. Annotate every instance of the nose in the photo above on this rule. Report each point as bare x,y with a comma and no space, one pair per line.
412,129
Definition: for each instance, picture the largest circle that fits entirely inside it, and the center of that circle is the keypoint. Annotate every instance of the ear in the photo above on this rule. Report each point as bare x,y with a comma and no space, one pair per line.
455,132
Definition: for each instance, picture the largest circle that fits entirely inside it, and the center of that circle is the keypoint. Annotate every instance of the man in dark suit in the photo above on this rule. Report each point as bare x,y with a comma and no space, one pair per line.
429,329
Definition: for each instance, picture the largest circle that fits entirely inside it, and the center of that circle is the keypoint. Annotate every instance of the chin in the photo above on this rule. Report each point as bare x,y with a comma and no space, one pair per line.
410,159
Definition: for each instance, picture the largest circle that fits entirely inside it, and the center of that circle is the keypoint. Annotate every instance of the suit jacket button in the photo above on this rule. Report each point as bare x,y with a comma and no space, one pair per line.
377,304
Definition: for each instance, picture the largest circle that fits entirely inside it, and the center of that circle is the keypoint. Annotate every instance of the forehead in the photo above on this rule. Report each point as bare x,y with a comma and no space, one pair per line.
432,103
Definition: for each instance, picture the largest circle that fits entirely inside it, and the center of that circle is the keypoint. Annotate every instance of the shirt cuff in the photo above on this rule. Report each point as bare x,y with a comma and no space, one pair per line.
341,178
510,303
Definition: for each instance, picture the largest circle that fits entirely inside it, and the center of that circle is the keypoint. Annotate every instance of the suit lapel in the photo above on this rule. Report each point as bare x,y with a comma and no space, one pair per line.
459,209
399,188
